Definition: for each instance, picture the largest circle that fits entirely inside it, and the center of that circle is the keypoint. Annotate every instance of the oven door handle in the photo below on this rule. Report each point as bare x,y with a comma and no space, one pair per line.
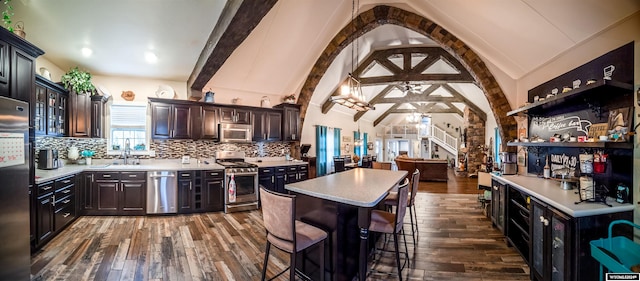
243,174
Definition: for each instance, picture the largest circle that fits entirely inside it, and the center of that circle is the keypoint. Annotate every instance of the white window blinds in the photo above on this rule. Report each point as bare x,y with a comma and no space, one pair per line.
128,116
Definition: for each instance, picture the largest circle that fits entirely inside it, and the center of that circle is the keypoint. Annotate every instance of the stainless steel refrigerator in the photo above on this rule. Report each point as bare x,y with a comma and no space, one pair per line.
14,190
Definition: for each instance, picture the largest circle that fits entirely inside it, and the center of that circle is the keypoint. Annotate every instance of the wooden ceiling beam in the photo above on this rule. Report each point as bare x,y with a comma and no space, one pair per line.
432,110
380,95
429,78
238,19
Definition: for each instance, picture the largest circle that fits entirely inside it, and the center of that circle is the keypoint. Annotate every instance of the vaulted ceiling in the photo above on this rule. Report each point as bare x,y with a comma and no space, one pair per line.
279,49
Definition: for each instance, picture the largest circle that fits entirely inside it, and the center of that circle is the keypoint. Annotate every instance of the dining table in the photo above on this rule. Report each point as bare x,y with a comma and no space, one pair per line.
360,190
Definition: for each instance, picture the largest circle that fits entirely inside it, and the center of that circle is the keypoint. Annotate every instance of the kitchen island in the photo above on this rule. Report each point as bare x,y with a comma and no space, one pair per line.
341,204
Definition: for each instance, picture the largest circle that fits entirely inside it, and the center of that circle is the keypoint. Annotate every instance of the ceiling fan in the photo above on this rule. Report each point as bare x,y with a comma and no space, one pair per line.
411,88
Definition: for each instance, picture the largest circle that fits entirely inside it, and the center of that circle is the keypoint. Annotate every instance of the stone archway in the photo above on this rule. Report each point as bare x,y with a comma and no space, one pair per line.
381,15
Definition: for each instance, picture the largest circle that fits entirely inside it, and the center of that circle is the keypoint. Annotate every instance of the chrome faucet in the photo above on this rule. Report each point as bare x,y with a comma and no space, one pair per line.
127,150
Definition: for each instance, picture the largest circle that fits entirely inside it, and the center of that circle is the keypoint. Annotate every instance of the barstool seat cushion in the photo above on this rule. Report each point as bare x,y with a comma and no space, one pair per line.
382,221
306,235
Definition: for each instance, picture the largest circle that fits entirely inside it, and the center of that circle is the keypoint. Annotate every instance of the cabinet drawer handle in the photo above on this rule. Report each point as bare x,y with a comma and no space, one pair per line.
106,176
66,215
47,187
133,176
66,191
66,181
66,201
185,175
213,174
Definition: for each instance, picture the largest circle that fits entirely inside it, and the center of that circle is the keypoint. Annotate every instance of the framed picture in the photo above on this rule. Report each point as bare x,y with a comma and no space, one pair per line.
347,139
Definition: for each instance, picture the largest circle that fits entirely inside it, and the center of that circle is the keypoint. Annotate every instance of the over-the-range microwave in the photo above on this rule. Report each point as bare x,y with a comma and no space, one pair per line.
235,132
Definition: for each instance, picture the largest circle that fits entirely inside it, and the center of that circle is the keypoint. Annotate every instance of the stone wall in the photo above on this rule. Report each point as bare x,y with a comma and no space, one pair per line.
475,140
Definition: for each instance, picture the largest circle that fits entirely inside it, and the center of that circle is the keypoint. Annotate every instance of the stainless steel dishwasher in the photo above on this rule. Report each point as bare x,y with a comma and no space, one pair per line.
162,192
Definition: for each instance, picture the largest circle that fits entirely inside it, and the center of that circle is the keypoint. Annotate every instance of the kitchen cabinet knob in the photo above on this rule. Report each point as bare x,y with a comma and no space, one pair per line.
541,218
546,222
273,179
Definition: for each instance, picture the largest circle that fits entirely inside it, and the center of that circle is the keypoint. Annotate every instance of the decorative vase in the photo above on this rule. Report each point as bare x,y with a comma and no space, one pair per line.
73,154
88,160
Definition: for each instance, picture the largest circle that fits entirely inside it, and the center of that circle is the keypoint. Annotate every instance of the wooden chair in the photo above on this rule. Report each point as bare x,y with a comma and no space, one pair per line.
285,232
338,164
391,200
381,165
390,223
366,161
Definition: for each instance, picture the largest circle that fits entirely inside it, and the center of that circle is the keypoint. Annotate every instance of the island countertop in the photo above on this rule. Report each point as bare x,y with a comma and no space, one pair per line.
549,191
358,187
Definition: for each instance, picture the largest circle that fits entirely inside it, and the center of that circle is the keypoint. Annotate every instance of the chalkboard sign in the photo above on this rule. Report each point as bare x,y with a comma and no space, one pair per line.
574,123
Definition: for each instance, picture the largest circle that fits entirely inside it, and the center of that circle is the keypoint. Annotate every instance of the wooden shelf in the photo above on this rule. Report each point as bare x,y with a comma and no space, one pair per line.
599,144
597,92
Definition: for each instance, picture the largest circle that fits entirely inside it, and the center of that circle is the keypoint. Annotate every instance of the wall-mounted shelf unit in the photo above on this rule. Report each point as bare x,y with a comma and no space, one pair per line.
599,144
600,92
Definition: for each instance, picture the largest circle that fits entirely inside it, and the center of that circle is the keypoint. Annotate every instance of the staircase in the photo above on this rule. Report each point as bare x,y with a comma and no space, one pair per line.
444,140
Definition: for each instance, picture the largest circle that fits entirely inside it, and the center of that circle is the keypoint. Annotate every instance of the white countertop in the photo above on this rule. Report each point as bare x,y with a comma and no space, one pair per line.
275,163
358,187
108,166
149,165
549,191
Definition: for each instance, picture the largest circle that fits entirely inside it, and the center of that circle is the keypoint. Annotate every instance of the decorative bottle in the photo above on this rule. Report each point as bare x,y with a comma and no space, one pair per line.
547,170
232,189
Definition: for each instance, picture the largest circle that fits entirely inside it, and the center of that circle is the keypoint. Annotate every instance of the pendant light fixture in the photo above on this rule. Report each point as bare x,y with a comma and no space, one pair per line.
351,94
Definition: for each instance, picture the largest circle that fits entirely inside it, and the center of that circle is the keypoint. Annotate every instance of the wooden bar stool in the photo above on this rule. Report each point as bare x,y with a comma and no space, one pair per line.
390,223
391,200
287,233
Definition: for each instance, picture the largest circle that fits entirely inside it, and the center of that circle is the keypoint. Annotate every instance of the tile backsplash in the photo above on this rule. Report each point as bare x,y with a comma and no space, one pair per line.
166,149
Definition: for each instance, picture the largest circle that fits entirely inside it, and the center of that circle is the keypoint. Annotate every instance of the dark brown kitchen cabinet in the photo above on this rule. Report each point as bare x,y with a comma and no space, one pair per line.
213,191
209,123
86,115
119,193
172,121
17,66
87,195
44,212
49,108
267,125
79,114
133,195
186,193
290,121
235,115
55,208
97,116
551,246
200,191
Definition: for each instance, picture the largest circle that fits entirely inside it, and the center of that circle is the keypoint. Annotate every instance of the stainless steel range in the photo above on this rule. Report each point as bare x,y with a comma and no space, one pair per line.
245,176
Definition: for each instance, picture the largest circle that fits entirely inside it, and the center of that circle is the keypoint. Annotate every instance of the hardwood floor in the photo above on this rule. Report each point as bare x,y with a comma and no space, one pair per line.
456,242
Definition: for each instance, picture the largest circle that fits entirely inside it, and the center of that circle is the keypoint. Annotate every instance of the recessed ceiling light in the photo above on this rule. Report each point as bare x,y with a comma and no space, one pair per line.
86,52
151,57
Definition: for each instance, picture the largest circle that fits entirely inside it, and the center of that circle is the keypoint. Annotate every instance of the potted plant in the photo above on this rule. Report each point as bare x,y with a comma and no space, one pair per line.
78,81
87,154
7,14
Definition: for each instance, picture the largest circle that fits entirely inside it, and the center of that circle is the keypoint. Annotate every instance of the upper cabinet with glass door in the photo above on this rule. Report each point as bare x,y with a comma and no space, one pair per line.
50,108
